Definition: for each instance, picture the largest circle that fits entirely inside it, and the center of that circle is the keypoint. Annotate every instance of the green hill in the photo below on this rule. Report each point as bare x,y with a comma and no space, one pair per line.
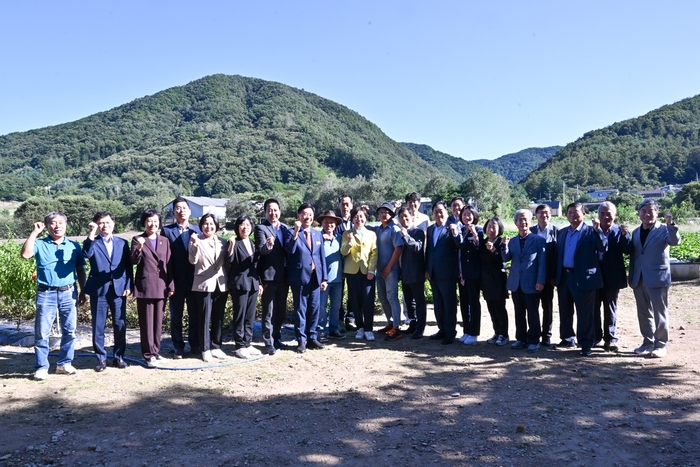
216,136
659,148
513,167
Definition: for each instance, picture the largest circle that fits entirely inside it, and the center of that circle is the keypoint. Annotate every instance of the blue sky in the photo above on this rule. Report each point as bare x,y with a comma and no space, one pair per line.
473,79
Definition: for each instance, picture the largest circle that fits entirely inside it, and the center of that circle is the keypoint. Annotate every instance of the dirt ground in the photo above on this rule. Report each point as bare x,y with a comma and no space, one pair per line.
356,403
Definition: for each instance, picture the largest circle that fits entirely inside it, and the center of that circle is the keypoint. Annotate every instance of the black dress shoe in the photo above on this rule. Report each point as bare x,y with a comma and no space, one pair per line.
610,347
565,344
315,344
101,366
301,348
437,336
178,354
417,335
279,345
411,328
270,349
447,340
586,352
119,363
350,326
546,342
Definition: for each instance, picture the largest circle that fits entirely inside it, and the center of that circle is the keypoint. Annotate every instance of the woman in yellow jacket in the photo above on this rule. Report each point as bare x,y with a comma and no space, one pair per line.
359,246
208,254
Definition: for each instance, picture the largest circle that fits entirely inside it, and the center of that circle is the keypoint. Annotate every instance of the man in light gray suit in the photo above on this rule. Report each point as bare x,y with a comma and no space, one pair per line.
650,276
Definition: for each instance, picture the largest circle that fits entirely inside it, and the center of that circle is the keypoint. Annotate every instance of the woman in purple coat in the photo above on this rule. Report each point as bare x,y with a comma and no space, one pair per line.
153,283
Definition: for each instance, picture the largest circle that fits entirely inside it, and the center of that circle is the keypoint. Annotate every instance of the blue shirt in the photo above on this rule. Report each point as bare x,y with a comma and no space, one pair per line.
55,263
334,260
570,246
388,238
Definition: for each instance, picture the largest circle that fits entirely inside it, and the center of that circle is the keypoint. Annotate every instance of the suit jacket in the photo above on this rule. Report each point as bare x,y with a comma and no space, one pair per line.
493,271
551,241
300,257
651,262
441,258
613,263
273,261
210,266
106,271
469,257
179,245
586,264
528,265
362,255
154,276
243,274
413,257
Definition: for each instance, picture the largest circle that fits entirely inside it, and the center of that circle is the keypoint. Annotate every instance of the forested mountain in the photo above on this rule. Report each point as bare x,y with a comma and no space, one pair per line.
216,136
513,167
659,148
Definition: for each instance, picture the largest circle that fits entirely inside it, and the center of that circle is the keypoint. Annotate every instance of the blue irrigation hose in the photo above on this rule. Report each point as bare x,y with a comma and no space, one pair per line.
143,364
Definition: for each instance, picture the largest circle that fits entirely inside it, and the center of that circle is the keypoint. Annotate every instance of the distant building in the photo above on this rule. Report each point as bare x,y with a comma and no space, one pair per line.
200,205
651,194
602,195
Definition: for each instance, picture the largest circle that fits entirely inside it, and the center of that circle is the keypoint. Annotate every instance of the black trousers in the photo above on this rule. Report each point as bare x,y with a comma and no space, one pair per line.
414,294
210,310
527,316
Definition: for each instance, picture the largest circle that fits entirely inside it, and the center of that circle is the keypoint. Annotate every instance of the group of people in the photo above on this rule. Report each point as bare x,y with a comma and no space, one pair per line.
192,267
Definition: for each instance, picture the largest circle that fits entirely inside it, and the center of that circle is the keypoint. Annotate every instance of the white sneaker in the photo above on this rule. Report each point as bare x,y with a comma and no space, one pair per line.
369,335
502,340
493,339
206,356
67,369
242,353
253,351
470,340
659,352
360,334
152,363
218,353
41,374
644,349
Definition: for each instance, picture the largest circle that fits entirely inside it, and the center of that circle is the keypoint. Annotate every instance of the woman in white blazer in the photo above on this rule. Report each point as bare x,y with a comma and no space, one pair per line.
208,254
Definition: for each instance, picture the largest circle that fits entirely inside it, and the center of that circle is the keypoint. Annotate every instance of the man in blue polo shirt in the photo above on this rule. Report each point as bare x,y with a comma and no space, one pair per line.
59,262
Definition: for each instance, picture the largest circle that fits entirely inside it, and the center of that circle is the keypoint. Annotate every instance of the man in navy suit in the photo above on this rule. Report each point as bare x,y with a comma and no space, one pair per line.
612,265
578,277
548,231
306,267
179,235
442,271
108,286
269,241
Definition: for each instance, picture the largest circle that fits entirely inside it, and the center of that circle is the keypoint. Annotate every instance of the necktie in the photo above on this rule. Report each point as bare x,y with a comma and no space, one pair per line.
307,234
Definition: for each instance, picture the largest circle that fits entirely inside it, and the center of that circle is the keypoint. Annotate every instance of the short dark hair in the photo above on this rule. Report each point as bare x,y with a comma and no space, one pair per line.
541,207
306,206
471,209
238,223
648,202
271,200
576,206
498,223
180,199
457,198
51,215
150,212
438,203
207,216
412,197
354,211
340,198
401,210
99,215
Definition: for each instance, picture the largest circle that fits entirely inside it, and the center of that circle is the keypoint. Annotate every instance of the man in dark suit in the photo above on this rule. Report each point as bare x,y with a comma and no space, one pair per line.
345,206
108,286
306,266
269,241
179,235
442,271
612,265
650,276
578,277
547,231
413,271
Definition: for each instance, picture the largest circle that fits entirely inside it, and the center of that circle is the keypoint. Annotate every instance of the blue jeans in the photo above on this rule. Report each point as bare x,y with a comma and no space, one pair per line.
388,291
334,292
47,302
